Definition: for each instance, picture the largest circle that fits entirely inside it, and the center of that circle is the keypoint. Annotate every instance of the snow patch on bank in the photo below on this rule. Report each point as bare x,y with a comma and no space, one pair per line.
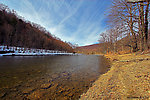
19,51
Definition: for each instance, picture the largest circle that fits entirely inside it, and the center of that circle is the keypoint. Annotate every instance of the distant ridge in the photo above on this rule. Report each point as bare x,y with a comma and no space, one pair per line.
89,49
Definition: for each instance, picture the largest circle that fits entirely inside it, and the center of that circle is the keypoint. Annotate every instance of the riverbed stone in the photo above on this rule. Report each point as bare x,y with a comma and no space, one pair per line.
55,76
46,85
27,90
2,94
36,95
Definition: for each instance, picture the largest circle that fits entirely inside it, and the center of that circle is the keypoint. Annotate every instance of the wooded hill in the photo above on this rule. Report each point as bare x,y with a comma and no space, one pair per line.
120,46
15,31
89,49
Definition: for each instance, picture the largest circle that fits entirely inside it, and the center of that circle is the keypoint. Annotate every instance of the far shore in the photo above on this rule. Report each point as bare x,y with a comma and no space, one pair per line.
35,54
20,51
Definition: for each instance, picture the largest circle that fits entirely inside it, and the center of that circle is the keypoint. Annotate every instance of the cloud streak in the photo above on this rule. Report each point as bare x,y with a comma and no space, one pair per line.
75,21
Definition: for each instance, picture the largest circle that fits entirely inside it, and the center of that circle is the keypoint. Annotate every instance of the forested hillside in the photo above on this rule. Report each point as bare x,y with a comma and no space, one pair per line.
120,46
90,49
15,31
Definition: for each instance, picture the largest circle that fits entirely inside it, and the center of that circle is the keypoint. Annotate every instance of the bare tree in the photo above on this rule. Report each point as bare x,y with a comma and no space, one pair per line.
122,13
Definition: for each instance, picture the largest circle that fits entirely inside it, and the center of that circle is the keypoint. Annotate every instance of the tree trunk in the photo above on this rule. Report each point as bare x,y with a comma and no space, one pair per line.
146,26
140,22
134,40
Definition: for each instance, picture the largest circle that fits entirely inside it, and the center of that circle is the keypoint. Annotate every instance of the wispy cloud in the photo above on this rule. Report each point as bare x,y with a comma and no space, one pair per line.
75,21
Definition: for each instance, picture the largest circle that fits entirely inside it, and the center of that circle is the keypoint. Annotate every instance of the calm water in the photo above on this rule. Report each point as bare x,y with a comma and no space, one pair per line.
49,77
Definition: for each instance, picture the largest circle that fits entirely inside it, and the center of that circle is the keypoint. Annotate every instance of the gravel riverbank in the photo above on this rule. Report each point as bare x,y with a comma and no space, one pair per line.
128,78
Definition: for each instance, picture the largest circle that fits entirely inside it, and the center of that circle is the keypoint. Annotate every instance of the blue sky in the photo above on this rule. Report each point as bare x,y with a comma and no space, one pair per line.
76,21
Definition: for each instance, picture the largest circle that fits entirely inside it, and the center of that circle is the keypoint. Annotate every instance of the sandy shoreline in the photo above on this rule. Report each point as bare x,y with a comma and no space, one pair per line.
128,78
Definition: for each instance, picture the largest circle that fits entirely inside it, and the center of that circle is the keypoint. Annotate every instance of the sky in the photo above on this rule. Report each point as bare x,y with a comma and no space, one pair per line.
76,21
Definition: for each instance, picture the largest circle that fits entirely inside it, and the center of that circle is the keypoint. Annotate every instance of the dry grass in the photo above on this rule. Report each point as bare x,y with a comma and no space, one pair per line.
128,78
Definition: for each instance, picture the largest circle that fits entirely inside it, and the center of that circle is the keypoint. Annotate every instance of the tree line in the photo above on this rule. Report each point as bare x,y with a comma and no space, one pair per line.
16,31
128,24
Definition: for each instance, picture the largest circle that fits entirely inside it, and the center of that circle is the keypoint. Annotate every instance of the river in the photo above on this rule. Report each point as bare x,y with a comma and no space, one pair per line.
49,77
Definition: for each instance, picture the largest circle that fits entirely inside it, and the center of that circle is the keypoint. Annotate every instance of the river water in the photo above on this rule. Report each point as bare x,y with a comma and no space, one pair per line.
49,77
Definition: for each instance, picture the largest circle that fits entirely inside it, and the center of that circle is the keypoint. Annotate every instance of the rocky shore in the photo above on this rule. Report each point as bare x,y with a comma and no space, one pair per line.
128,78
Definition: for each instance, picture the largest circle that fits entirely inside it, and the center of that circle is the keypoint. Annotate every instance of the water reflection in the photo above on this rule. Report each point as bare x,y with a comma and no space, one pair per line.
49,77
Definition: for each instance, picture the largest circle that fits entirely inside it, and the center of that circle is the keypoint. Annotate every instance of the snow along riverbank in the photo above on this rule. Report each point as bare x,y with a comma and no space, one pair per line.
19,51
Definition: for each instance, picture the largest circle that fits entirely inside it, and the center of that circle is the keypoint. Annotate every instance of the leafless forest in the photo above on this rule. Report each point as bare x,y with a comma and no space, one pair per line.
128,24
16,31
